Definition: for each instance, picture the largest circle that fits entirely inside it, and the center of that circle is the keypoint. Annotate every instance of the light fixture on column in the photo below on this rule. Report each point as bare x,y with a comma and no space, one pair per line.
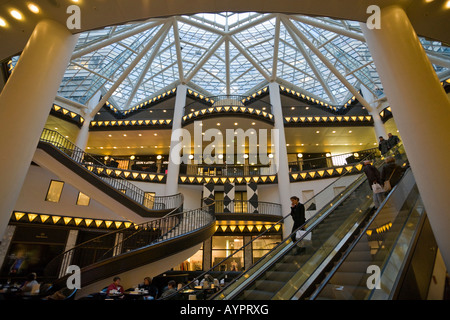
299,155
16,14
132,157
33,8
159,157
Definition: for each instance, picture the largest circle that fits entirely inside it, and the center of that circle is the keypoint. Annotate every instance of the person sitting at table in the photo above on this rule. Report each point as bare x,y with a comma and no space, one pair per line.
148,286
171,289
115,286
30,283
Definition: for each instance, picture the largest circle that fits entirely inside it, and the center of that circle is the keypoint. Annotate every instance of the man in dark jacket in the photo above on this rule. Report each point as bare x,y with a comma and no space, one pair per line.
383,146
392,172
392,140
298,214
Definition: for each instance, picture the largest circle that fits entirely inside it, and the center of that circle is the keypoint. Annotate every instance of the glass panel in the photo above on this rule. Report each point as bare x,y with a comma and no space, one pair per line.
224,246
54,191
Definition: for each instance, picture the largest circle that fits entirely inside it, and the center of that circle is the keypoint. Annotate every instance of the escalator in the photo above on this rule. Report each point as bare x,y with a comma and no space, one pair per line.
61,157
352,239
383,246
290,268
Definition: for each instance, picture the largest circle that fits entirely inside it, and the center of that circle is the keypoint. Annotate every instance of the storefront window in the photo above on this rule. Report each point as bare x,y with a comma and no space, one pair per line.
224,246
194,263
263,245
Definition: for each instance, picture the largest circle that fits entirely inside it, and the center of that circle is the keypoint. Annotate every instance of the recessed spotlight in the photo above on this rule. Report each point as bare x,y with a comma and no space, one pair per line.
33,8
16,14
235,123
2,22
317,131
253,123
334,131
140,134
124,134
155,134
110,135
350,131
218,123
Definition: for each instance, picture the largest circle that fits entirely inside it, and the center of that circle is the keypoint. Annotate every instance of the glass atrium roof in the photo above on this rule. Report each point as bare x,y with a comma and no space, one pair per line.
224,54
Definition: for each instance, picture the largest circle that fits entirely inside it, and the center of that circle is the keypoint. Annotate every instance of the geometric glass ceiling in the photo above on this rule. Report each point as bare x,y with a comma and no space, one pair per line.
224,54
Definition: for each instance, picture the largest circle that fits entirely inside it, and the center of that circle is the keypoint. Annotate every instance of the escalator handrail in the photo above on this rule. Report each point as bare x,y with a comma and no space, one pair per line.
354,243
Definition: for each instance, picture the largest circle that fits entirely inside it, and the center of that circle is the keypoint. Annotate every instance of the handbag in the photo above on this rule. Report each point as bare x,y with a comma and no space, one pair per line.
300,233
387,184
377,188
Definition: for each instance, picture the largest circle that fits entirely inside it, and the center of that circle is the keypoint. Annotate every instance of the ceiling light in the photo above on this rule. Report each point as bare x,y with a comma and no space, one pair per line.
16,14
218,123
140,134
317,131
124,134
2,23
334,131
109,135
253,123
350,131
235,123
33,8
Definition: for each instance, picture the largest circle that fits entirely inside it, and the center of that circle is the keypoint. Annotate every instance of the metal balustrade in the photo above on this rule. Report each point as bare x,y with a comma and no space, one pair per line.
122,185
127,240
246,206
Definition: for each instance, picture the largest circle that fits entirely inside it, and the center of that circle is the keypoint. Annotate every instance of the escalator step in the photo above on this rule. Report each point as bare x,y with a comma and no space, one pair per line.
256,295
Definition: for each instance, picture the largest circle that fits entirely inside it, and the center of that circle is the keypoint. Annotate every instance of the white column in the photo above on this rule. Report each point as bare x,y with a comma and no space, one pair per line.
83,134
173,169
380,130
280,157
421,110
25,104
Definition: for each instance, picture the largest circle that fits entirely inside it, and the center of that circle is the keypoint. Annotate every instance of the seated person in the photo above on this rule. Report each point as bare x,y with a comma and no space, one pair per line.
171,289
148,286
30,283
115,286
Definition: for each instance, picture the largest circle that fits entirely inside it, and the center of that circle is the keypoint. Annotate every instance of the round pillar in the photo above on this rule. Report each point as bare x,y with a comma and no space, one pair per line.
421,110
25,103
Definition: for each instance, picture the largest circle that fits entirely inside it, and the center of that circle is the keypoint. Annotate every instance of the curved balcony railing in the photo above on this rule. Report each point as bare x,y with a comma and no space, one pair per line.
100,170
246,207
331,161
126,240
226,170
226,105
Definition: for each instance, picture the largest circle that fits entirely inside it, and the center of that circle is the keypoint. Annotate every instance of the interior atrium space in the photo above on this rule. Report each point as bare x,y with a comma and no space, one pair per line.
224,151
